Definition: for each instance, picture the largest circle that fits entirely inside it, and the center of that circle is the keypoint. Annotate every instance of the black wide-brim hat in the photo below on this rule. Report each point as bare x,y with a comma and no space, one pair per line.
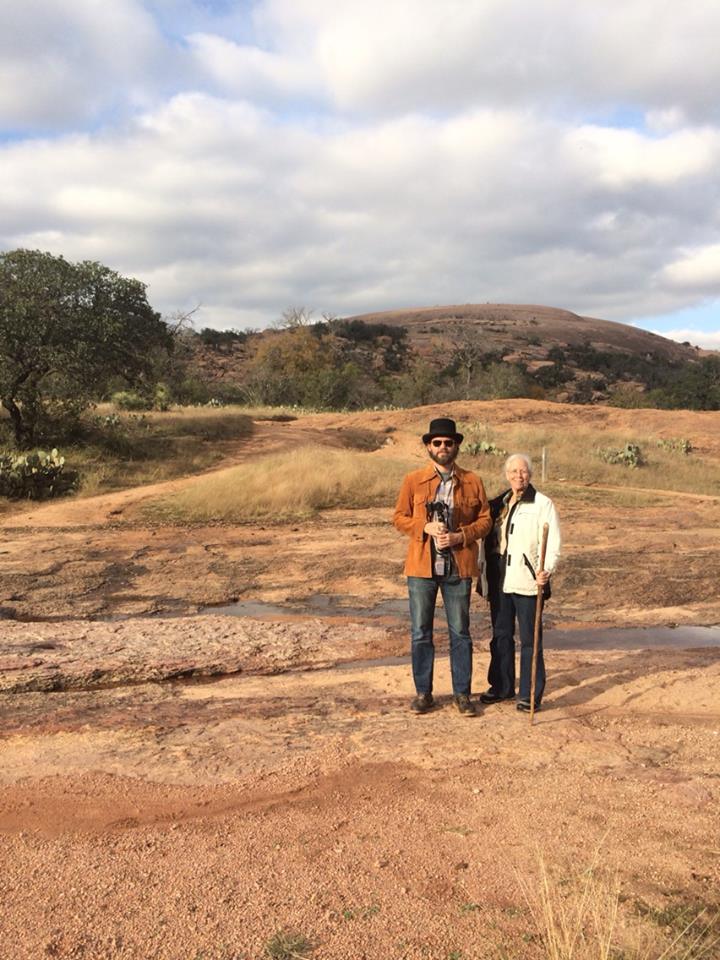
442,427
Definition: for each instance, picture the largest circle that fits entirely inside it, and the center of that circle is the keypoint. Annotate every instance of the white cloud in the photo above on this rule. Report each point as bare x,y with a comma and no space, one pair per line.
697,271
620,157
70,61
213,201
398,55
707,339
251,73
361,155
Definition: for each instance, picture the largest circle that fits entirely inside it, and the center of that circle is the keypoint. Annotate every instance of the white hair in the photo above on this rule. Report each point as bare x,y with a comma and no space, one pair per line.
518,456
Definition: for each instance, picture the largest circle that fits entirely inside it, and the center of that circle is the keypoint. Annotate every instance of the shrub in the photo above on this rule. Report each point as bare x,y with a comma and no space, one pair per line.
477,440
629,456
34,476
190,390
501,381
161,397
676,445
129,400
483,446
227,393
361,332
219,339
288,945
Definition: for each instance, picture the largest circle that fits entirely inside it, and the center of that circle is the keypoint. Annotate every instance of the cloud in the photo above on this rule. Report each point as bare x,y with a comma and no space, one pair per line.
355,156
622,157
404,55
698,271
214,201
72,61
251,73
707,339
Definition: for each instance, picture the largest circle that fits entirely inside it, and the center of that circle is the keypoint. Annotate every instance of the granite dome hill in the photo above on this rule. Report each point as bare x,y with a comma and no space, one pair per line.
465,351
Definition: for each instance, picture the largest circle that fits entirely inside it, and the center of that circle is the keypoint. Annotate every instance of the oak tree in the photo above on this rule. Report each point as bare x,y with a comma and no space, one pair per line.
65,330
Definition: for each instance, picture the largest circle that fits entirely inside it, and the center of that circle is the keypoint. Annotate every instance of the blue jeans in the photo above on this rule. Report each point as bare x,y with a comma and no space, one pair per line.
422,592
505,610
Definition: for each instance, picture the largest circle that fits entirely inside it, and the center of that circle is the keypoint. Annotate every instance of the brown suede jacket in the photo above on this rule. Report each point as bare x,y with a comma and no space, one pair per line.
471,515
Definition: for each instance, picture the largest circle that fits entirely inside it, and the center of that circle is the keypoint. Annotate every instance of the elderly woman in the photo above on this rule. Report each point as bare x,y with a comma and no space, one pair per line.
512,553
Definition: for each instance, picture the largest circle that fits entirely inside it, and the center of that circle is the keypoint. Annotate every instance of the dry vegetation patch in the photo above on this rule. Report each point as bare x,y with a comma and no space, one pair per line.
574,453
119,450
583,914
293,484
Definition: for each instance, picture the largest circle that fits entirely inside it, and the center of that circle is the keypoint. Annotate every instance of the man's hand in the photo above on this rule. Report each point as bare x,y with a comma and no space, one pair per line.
435,528
446,540
542,578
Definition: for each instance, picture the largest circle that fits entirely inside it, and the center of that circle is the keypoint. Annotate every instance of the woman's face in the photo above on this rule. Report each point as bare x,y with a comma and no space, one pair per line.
518,476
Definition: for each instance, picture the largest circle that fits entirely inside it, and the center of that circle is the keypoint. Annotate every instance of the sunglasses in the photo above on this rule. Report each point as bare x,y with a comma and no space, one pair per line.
443,443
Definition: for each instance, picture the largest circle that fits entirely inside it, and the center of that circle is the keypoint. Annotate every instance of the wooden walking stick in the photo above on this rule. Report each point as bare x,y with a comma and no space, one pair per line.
538,621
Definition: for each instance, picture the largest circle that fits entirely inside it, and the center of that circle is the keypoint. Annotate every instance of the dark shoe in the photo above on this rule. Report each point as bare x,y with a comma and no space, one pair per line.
491,697
524,706
422,703
465,705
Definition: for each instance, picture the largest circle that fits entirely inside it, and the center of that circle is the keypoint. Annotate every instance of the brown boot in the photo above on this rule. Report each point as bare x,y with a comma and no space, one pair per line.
422,703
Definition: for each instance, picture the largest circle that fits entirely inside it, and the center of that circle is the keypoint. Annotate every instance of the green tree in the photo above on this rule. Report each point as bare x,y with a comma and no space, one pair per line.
420,385
697,387
295,366
65,330
501,381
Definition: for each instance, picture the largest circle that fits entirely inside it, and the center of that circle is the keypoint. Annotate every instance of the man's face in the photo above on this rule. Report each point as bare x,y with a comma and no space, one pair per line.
443,451
518,476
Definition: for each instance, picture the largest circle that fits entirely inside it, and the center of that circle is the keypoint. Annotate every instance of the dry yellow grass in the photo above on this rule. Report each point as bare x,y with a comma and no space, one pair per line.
153,446
580,916
293,484
576,917
573,455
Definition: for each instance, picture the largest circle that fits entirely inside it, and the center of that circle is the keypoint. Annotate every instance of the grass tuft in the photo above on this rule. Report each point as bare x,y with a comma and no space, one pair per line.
288,945
575,919
578,918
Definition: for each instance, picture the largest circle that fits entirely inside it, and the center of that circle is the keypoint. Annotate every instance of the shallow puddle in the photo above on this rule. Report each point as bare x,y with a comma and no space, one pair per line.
396,611
320,605
632,638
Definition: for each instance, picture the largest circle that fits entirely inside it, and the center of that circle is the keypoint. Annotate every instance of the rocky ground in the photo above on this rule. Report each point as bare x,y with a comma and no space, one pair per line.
190,786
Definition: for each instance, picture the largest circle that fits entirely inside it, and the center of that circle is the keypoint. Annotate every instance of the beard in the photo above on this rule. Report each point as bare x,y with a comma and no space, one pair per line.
443,456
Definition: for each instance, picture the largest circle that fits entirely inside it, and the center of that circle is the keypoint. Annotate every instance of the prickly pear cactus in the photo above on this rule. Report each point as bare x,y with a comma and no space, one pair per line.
34,476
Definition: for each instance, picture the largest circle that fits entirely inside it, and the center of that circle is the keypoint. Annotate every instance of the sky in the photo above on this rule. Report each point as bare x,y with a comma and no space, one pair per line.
359,155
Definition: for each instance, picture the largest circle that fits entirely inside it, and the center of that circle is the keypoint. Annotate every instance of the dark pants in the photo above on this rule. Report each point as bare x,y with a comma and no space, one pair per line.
422,592
505,609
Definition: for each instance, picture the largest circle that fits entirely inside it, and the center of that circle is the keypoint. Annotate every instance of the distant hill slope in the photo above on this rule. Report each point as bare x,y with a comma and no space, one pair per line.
570,357
480,351
519,327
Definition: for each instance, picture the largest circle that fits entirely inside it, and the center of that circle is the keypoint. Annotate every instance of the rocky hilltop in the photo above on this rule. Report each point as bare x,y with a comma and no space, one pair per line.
480,350
527,331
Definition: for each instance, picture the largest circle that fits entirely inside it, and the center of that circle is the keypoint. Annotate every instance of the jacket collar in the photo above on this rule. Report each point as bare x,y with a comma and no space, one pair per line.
430,473
527,497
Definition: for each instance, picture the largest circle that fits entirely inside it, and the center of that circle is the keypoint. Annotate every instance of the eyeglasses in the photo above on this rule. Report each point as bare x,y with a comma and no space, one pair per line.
443,443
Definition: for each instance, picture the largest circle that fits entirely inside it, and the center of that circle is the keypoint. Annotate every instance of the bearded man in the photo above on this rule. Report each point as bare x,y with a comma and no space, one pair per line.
444,511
